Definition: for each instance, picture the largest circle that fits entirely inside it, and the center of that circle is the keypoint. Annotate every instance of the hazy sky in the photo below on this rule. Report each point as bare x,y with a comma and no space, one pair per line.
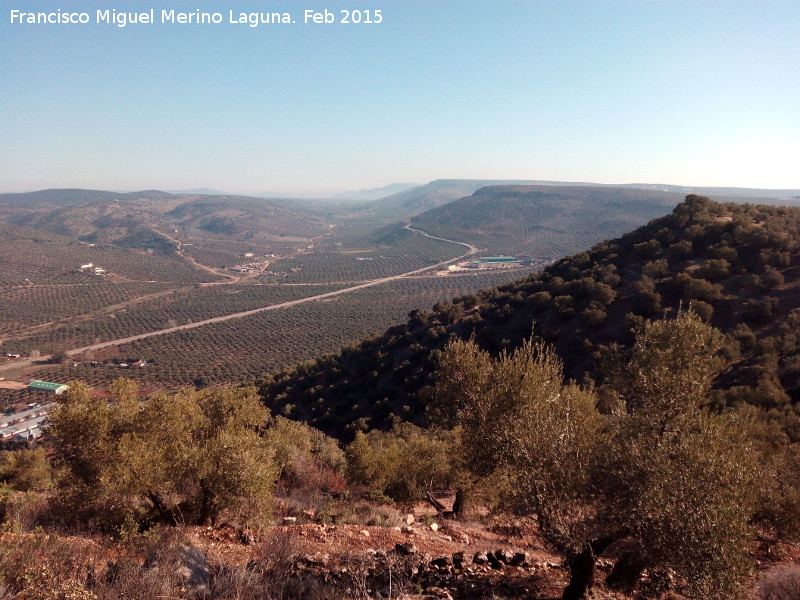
692,93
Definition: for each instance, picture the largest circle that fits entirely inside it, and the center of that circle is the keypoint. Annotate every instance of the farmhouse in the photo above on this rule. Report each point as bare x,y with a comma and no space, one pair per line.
245,268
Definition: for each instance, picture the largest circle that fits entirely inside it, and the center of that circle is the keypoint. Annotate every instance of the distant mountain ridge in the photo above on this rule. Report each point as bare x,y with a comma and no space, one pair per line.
70,196
440,192
728,192
544,221
377,193
204,191
95,215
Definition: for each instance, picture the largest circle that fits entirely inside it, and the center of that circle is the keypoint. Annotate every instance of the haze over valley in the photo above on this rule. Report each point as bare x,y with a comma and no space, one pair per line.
453,300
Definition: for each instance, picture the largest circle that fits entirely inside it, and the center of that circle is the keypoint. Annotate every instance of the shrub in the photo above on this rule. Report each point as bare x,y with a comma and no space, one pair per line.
771,278
25,470
702,309
45,567
780,497
190,455
656,268
593,315
758,311
306,458
404,462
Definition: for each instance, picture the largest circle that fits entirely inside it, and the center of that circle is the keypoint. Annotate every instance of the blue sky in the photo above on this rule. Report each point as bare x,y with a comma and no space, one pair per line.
692,93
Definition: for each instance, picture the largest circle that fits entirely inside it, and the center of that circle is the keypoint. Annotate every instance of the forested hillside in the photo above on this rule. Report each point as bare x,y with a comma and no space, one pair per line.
735,265
546,222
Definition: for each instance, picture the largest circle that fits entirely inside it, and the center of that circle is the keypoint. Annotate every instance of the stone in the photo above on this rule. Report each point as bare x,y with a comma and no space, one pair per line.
409,519
289,520
480,558
406,549
436,593
459,536
193,569
503,556
318,558
364,532
604,563
519,559
493,561
442,562
434,527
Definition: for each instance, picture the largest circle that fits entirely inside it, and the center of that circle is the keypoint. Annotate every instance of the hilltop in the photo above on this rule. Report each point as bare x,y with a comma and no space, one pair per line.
71,196
735,265
546,222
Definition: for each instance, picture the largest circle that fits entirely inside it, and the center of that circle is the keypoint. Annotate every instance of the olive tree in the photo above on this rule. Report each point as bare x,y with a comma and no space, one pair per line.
405,463
523,425
188,455
680,480
660,470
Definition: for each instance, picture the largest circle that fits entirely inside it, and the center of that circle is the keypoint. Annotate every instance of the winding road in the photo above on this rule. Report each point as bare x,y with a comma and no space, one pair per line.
470,250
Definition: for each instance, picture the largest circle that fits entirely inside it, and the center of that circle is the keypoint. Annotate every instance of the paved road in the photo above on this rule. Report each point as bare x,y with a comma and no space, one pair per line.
470,250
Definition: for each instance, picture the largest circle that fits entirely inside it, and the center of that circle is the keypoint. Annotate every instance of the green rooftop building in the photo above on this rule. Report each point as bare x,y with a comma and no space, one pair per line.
47,386
499,259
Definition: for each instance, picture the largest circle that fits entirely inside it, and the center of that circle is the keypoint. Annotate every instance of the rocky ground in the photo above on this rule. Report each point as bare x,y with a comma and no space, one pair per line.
426,559
415,556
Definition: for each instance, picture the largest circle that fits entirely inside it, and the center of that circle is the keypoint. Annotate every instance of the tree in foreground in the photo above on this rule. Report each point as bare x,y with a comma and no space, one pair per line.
189,456
537,437
660,470
680,480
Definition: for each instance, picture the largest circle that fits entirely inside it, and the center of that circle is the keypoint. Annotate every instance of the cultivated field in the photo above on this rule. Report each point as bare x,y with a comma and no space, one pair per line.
247,347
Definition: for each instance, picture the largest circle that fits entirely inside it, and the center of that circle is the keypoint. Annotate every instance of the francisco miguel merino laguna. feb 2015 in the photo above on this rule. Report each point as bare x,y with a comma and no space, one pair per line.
197,17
